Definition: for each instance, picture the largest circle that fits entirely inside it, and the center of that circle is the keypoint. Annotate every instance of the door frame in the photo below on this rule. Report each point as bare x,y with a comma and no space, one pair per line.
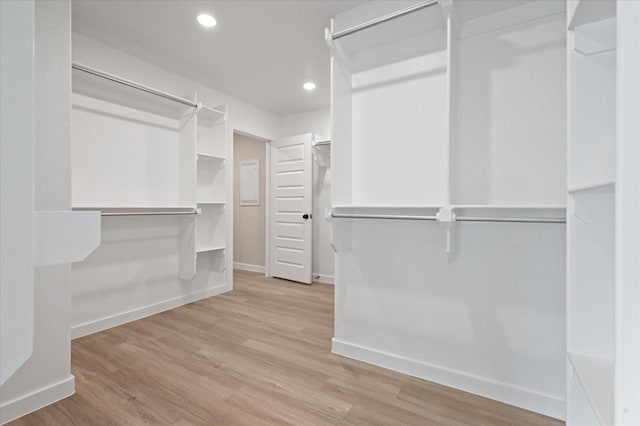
231,186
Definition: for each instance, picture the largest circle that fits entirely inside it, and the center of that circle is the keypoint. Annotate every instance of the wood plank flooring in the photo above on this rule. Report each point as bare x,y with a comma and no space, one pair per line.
257,355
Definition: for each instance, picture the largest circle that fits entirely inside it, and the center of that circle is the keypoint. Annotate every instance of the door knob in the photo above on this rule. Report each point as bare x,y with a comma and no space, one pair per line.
305,216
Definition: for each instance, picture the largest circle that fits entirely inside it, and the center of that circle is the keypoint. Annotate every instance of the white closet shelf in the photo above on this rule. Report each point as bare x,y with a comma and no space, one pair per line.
206,249
591,185
373,207
508,206
212,203
588,11
145,208
596,377
205,156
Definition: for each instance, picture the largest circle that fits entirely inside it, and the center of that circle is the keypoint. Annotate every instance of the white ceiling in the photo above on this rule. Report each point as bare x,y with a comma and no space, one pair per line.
260,51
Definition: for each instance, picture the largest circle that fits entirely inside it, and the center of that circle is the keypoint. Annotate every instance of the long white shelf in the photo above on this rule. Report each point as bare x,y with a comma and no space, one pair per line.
509,206
206,249
159,207
596,377
212,203
591,185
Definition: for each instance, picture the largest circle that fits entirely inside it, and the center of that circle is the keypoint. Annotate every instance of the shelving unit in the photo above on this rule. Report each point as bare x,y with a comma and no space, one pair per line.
211,189
155,165
591,222
457,108
603,381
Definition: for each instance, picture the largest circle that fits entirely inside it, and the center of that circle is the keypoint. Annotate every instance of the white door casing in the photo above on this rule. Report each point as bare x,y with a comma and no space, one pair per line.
291,207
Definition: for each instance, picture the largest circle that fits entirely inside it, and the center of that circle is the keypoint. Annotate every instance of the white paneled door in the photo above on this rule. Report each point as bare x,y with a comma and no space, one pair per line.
291,221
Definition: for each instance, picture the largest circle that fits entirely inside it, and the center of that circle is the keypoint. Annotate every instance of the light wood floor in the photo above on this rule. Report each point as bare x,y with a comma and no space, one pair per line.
257,355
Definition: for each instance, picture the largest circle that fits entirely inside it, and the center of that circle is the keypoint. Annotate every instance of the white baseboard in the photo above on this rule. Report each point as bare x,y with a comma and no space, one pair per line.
529,400
33,401
248,267
101,324
319,278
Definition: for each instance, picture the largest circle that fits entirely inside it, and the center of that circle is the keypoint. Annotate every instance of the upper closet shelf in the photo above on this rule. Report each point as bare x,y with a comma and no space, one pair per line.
588,11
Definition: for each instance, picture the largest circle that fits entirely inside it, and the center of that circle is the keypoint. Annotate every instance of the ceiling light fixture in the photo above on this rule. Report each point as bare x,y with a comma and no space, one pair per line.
207,20
309,86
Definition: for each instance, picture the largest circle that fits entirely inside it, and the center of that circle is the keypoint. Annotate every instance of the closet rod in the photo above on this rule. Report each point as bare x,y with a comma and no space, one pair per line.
382,19
132,84
511,219
381,216
148,213
458,218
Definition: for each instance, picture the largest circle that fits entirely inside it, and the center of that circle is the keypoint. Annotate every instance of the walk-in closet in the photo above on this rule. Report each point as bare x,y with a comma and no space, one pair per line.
327,212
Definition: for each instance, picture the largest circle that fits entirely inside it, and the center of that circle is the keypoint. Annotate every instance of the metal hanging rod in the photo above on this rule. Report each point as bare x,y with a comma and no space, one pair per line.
192,213
133,84
457,219
381,216
142,87
382,19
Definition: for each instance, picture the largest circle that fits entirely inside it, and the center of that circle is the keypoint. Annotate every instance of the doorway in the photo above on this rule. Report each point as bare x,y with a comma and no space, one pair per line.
250,195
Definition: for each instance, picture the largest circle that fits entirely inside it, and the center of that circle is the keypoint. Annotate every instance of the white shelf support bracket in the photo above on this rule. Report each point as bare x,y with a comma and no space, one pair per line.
446,218
328,39
327,217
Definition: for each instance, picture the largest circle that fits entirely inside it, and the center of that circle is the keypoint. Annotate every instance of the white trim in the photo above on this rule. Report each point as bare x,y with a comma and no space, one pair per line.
101,324
320,278
248,267
548,405
267,210
33,401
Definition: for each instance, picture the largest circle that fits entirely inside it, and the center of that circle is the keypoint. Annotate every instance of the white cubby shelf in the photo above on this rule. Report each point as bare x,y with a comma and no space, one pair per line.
206,249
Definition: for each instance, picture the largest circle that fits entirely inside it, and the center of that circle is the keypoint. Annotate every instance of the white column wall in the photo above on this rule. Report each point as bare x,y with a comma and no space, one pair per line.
46,376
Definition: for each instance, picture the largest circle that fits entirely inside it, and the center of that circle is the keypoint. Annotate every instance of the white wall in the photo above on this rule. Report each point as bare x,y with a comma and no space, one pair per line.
46,376
110,287
316,121
249,221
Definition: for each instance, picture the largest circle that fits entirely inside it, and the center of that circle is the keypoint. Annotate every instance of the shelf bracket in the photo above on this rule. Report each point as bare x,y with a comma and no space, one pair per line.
447,219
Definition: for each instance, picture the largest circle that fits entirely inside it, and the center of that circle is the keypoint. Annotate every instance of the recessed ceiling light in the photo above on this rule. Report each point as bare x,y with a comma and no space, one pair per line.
207,20
309,85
